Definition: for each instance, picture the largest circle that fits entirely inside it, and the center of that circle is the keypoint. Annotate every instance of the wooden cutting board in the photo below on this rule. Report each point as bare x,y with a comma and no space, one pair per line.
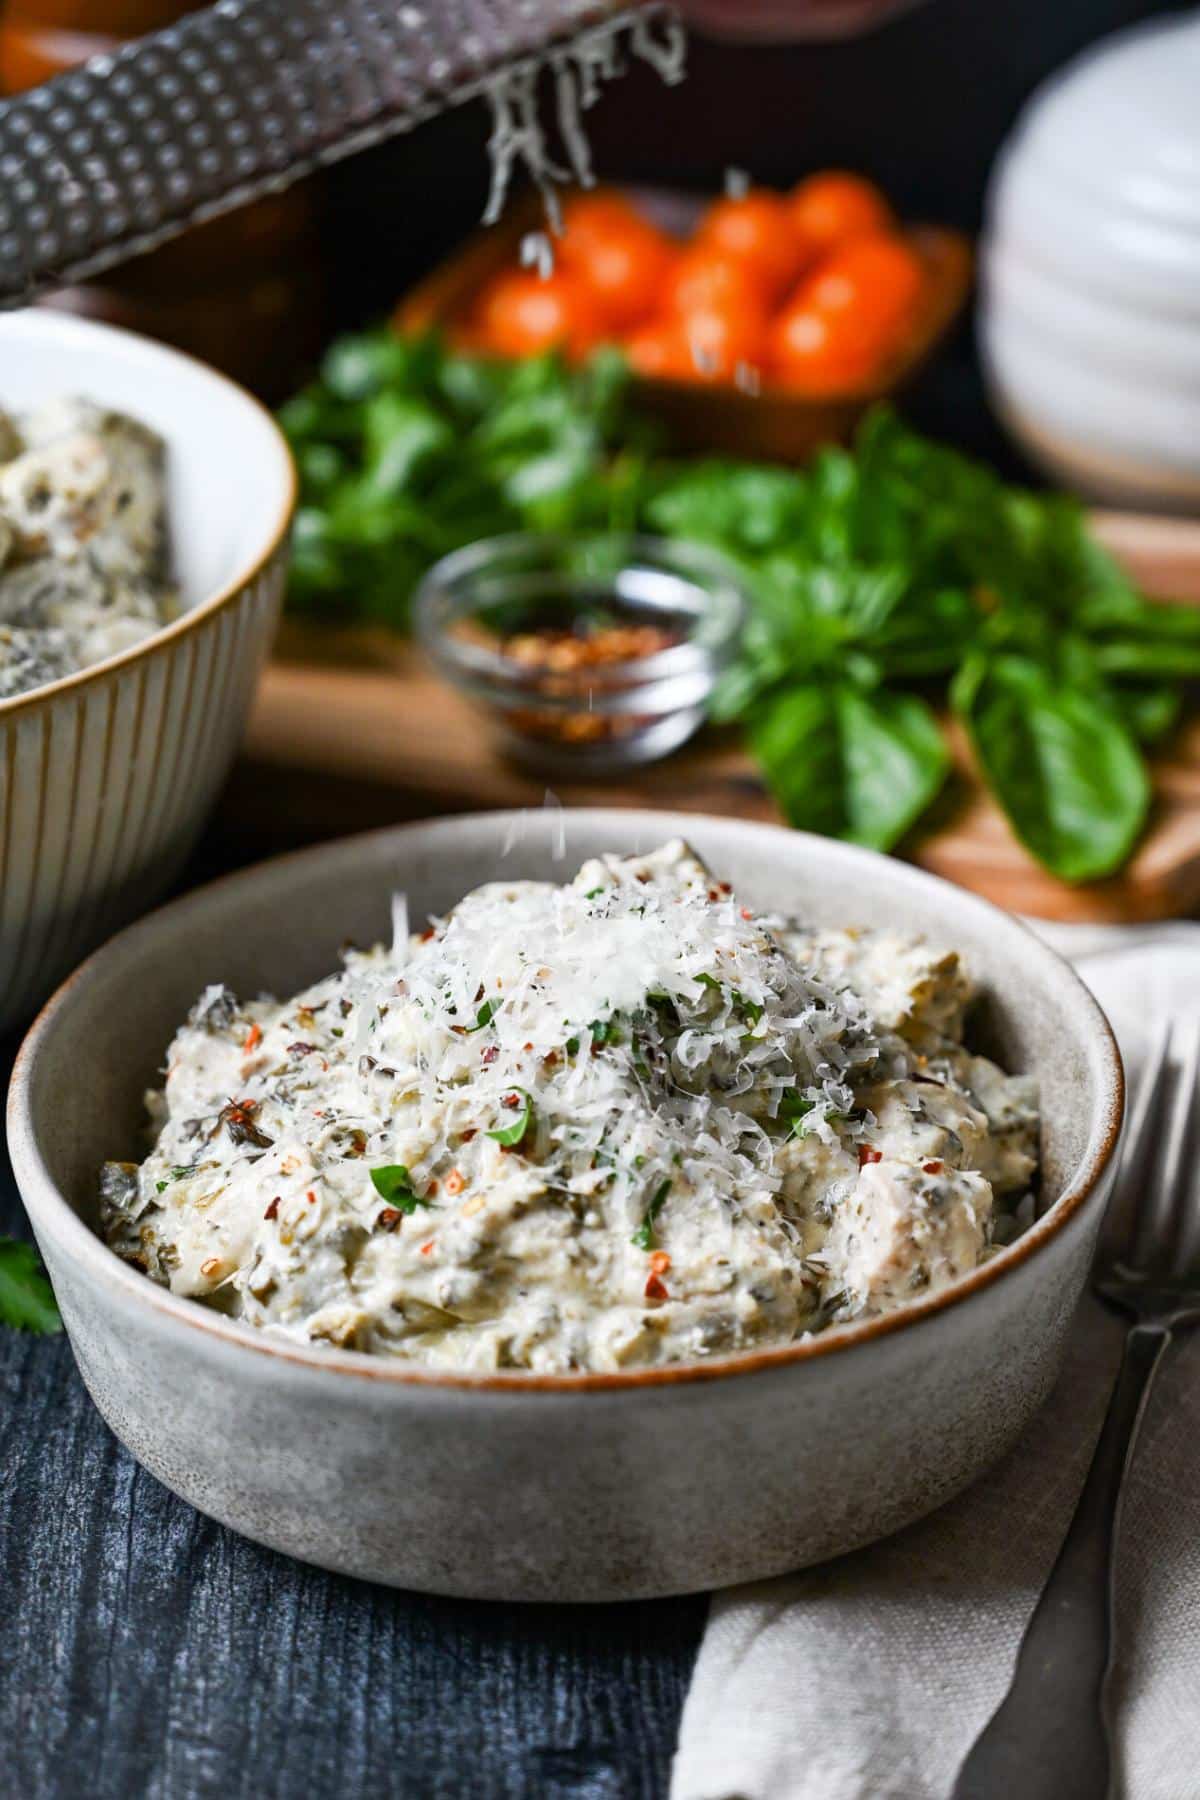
363,706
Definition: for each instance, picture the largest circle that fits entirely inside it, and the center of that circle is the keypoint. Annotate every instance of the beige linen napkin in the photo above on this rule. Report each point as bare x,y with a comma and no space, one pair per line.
869,1677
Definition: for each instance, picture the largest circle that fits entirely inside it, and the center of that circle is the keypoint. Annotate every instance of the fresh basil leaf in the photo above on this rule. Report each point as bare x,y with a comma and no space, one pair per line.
485,1015
852,763
355,368
1171,659
1061,763
895,760
26,1297
1150,712
795,738
737,505
511,1134
401,437
391,1182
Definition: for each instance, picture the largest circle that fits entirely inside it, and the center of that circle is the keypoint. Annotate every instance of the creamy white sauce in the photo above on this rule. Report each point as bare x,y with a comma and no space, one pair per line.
619,1122
82,541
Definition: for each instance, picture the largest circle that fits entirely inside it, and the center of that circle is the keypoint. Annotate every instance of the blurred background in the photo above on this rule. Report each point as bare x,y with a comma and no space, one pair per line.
1033,234
919,97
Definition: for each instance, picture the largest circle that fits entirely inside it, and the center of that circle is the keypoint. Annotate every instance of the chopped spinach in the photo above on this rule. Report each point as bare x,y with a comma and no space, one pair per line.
643,1237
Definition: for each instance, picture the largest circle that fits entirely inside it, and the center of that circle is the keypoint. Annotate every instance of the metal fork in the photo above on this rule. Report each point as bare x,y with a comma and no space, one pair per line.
1050,1738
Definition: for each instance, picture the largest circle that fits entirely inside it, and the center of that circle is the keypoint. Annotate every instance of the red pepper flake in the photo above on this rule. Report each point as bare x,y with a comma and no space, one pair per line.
725,887
932,1168
456,1181
388,1219
655,1290
469,1133
311,1197
746,913
490,1054
868,1155
660,1262
714,895
528,1046
426,1249
272,1211
426,935
512,1101
252,1039
431,1187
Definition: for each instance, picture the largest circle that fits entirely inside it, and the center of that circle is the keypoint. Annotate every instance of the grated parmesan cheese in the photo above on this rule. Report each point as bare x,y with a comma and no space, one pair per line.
624,1120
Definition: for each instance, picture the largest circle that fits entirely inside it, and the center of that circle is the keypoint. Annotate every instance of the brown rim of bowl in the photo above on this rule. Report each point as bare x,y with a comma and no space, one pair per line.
203,609
83,1244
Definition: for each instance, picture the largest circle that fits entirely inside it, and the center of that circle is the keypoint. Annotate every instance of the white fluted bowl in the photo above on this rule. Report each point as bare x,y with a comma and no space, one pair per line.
106,776
1090,310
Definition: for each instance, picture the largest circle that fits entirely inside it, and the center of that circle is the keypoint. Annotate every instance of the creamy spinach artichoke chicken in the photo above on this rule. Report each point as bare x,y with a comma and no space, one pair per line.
83,542
621,1122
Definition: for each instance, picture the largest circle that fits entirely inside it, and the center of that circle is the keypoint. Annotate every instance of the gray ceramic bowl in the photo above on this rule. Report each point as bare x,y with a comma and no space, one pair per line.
574,1487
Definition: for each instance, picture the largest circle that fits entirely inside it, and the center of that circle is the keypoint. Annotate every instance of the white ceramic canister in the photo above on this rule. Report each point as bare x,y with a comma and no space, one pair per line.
1090,310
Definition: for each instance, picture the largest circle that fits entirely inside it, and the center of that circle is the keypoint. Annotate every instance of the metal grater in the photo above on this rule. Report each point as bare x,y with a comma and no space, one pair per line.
244,98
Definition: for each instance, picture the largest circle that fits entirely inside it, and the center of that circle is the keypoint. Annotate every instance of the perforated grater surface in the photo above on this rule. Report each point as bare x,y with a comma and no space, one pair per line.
243,99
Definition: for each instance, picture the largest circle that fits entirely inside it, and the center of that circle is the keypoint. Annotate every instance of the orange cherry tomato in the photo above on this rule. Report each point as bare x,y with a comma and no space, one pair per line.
722,339
520,314
710,344
834,207
623,260
660,351
873,283
596,214
815,353
704,277
756,229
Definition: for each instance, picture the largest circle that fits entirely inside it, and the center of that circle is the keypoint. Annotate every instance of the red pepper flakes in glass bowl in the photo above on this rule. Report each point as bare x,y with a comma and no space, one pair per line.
591,654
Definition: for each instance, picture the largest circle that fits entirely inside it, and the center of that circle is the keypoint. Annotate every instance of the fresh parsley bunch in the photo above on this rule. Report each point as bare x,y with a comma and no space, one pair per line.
902,573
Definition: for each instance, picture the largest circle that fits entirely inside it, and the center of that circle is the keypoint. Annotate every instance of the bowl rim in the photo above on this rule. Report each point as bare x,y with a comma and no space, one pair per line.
71,326
50,1211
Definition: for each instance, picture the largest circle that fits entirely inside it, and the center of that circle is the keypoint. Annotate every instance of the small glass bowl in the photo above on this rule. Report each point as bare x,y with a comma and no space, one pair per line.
591,653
